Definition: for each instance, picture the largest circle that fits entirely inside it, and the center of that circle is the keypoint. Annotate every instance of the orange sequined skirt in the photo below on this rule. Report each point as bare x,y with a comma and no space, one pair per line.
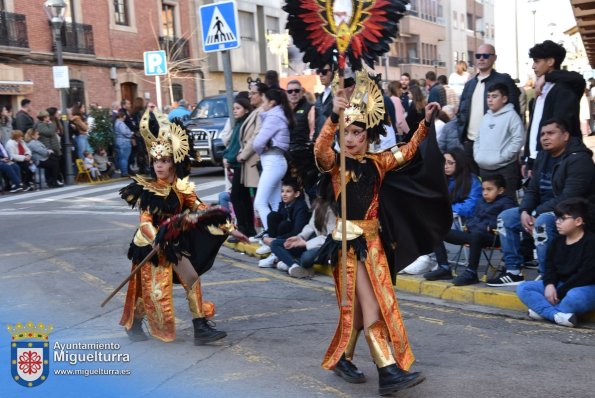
379,274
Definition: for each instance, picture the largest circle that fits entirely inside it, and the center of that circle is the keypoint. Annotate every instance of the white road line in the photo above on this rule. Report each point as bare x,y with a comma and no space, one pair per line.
74,194
66,213
211,198
208,185
21,196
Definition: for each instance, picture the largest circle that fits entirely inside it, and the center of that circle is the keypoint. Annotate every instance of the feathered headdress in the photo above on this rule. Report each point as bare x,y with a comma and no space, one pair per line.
171,140
329,31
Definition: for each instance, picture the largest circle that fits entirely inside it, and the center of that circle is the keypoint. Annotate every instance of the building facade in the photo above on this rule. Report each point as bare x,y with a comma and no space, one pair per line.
103,43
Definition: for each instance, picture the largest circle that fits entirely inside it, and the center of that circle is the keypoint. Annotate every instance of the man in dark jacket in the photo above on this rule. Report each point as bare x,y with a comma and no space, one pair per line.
436,92
559,95
474,99
23,120
563,169
324,102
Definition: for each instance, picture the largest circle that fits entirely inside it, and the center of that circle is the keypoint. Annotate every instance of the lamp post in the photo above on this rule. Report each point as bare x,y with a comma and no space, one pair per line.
55,10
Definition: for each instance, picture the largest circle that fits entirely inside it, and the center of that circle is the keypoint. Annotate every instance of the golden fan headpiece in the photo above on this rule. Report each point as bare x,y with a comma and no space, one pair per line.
366,104
171,140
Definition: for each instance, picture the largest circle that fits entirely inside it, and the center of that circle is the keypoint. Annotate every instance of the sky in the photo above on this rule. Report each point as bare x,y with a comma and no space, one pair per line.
552,18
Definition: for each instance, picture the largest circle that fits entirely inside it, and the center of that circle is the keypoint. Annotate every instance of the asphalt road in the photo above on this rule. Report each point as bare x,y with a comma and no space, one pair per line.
62,251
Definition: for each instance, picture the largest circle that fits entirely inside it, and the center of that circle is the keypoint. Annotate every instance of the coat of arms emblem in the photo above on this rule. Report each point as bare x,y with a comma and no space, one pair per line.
29,353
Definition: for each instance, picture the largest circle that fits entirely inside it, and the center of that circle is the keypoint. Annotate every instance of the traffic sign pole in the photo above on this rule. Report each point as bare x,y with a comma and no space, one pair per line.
158,91
228,83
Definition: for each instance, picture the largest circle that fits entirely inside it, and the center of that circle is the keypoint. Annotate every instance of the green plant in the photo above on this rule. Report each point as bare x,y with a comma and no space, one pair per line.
102,135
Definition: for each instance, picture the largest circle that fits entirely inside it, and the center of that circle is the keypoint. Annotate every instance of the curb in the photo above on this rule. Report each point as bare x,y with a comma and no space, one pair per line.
477,295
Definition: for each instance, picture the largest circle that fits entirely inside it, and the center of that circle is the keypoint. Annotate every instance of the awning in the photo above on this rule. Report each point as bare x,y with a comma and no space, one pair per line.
584,12
16,87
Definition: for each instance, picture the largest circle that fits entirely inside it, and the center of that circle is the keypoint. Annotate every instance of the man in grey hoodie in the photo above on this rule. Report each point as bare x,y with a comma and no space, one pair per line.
498,145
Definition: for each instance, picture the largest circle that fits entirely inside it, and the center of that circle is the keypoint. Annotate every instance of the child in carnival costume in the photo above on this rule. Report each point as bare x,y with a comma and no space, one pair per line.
365,288
170,196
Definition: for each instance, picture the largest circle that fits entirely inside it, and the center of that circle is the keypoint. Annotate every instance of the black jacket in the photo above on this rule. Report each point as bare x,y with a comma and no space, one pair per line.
573,177
323,111
467,95
485,215
297,214
562,102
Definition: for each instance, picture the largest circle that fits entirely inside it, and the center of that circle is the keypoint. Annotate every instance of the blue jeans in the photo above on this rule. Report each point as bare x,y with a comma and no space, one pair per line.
12,171
82,144
577,301
123,146
289,256
509,228
224,201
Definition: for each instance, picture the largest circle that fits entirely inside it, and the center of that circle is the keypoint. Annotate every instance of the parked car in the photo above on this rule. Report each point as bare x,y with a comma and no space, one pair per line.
205,125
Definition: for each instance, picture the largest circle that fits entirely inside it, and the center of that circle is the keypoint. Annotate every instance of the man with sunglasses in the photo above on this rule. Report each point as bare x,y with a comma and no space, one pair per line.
301,152
324,102
474,99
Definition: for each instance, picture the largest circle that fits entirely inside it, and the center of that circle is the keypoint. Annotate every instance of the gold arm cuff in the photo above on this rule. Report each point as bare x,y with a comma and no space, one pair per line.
398,155
353,231
140,239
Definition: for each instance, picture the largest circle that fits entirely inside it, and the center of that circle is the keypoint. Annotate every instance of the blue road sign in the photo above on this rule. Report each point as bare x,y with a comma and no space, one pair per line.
155,63
219,26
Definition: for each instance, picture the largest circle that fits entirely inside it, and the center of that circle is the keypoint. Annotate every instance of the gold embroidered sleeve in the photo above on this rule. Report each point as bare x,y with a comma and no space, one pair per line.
398,156
323,148
145,235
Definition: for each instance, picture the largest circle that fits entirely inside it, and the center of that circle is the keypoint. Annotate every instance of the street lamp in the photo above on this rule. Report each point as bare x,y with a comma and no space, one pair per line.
55,10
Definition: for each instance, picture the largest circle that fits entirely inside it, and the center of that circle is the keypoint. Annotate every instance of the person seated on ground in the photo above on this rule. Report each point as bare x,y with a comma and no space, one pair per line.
478,233
10,170
44,158
90,165
568,285
289,220
563,169
106,168
299,251
465,191
20,153
497,148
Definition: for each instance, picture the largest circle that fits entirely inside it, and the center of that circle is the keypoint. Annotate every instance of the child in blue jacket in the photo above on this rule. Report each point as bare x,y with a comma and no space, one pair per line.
478,232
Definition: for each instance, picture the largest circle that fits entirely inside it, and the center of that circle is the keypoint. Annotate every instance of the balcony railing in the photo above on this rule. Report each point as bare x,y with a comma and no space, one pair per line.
176,48
77,38
13,30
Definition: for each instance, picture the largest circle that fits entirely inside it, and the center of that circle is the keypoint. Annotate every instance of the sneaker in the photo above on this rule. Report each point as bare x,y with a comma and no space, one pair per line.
59,183
534,315
268,262
421,265
466,278
565,319
281,266
531,264
233,239
440,274
506,279
264,249
27,188
300,272
256,238
15,188
538,277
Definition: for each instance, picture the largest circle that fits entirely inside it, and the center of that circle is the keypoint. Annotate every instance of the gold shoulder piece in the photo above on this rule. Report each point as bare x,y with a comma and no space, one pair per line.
152,186
185,186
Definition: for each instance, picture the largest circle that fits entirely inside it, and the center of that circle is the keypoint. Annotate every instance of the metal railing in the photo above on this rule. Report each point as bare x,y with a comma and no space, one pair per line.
77,38
13,30
177,48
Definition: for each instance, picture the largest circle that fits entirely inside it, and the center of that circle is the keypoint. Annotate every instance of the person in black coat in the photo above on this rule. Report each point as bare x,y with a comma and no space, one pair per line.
559,94
563,170
478,233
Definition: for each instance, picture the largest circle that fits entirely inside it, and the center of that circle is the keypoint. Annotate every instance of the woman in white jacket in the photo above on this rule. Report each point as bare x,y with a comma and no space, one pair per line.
20,153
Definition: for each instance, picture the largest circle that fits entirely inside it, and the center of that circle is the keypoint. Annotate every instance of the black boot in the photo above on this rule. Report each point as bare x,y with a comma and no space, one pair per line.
392,379
136,332
348,371
204,332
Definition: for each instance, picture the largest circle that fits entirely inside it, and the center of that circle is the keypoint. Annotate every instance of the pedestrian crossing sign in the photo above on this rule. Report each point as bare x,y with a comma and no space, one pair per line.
219,26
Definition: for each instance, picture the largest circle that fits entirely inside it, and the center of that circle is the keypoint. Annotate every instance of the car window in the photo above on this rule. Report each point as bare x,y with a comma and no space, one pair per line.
210,108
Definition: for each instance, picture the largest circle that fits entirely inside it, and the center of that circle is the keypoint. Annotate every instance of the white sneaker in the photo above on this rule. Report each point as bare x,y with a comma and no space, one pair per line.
566,319
422,265
534,315
281,266
300,272
264,249
268,262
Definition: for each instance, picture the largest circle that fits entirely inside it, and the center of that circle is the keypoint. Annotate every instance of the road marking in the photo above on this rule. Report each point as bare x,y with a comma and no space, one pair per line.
123,224
64,213
22,196
209,185
27,275
235,281
55,198
269,314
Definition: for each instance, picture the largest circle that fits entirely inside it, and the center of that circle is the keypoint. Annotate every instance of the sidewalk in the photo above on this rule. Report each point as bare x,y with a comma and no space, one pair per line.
503,298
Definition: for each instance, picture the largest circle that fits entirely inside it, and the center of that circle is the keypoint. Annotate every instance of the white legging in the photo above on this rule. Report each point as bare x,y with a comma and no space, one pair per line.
268,193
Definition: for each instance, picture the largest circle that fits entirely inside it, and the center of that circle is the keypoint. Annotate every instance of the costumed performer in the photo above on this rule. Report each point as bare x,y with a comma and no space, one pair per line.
370,302
159,200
